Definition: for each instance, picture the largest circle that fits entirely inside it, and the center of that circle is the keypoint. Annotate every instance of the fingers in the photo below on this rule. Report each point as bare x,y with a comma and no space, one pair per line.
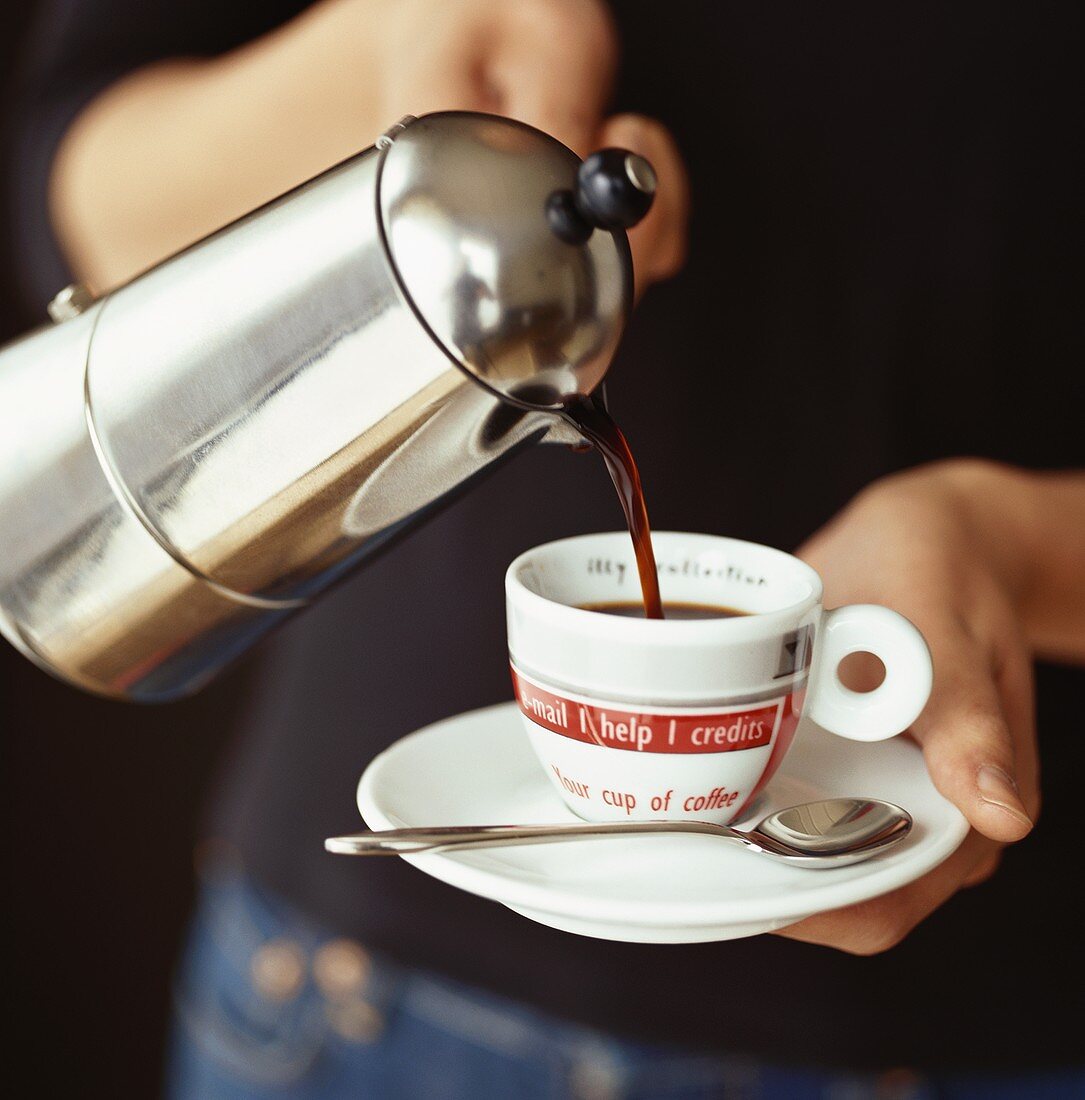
966,740
552,66
659,241
881,923
1014,681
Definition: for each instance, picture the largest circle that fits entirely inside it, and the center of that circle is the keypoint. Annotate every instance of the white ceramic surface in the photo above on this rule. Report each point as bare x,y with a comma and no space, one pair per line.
689,718
478,769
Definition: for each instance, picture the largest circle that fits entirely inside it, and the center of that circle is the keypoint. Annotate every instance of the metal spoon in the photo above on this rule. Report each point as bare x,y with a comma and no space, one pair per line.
830,833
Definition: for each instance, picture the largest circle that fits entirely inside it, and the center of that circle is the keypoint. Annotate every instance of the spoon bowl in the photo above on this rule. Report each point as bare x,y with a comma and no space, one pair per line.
829,833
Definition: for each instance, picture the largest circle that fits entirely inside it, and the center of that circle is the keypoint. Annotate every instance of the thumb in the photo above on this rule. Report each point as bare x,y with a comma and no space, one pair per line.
966,740
659,241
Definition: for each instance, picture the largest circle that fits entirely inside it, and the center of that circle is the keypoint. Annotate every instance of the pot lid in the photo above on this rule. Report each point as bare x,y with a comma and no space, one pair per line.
474,211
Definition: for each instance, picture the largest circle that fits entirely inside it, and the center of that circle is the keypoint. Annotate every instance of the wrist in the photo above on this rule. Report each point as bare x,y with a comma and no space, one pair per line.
977,510
997,505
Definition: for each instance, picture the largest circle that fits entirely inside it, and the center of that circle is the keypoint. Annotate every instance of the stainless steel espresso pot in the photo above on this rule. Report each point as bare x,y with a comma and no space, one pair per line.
197,455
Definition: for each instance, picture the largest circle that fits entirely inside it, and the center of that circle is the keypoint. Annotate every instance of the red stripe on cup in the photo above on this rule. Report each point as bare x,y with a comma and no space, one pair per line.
725,730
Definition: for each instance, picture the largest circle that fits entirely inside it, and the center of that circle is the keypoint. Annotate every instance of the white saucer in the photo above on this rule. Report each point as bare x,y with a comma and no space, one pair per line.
478,769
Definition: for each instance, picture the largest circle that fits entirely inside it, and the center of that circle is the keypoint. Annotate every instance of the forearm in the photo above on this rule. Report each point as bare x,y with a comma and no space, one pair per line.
1033,526
180,148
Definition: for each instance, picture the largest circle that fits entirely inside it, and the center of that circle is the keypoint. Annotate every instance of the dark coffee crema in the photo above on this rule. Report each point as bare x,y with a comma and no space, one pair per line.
634,610
596,425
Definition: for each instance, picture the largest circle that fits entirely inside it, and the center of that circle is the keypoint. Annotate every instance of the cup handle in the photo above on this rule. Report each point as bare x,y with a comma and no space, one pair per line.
892,706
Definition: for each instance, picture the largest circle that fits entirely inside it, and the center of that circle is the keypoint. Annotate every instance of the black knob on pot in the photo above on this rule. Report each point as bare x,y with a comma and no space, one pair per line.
614,190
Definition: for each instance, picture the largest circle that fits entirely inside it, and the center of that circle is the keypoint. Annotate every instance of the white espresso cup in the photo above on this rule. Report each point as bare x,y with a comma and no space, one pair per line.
635,718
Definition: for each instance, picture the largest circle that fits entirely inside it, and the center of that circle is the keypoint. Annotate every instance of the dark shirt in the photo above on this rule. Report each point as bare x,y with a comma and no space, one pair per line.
885,269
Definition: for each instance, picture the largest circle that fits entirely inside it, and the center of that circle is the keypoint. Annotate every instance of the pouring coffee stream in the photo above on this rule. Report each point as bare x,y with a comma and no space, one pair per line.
590,417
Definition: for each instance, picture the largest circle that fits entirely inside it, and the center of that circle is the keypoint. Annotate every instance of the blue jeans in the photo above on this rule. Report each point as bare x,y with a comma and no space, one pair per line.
270,1005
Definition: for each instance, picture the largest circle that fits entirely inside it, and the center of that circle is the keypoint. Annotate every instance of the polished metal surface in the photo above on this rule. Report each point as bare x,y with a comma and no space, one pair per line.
641,174
84,590
69,302
463,205
830,833
188,460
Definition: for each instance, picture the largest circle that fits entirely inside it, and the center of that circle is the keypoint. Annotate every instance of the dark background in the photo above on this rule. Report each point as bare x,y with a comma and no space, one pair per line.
102,804
103,799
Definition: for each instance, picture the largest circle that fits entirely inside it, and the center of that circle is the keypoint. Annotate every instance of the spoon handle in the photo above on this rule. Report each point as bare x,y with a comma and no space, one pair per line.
394,842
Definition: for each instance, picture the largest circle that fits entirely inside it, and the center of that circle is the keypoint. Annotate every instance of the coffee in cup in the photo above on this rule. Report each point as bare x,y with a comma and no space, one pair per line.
634,609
